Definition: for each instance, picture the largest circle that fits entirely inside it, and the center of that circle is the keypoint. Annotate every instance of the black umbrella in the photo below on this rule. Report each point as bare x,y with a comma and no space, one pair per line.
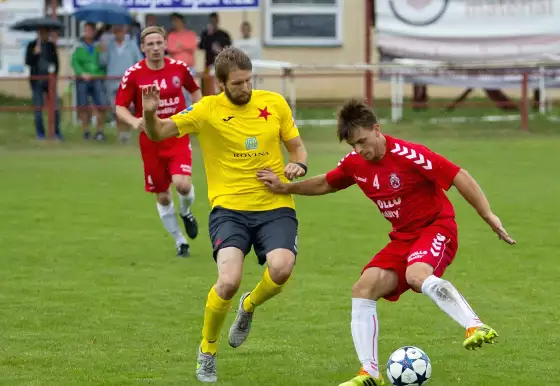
37,23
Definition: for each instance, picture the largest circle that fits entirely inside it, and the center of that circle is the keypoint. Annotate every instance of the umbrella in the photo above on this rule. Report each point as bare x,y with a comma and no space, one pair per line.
35,24
106,13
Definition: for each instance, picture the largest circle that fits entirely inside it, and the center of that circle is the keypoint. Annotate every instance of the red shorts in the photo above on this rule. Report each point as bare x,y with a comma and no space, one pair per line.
435,245
164,159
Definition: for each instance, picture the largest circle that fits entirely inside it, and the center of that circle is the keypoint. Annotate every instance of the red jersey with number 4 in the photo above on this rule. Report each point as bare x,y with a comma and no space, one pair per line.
407,185
171,79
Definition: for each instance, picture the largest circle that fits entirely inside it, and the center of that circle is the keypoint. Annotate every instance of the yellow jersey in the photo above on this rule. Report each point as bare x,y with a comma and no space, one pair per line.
236,142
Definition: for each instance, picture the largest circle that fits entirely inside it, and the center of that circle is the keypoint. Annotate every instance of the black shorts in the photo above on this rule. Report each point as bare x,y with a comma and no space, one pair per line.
265,231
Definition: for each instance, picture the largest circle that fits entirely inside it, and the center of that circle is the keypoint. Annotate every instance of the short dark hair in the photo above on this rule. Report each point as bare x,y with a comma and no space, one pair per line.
230,59
176,15
213,15
352,115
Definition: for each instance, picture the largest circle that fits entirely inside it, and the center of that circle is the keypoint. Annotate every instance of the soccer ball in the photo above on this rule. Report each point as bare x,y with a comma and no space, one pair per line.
409,366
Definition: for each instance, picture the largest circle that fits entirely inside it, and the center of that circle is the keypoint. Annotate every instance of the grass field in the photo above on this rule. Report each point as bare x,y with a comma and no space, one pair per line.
91,292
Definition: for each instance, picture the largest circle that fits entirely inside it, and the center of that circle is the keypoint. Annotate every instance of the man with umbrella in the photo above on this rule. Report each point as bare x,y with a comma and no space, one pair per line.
86,60
42,58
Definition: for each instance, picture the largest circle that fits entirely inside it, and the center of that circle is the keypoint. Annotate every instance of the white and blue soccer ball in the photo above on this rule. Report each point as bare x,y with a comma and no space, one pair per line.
409,366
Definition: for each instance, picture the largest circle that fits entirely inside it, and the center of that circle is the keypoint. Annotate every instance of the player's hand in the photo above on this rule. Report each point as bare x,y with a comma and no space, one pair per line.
271,181
150,98
293,170
498,228
138,124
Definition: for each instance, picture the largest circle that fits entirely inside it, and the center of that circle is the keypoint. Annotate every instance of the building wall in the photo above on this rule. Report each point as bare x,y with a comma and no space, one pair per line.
326,87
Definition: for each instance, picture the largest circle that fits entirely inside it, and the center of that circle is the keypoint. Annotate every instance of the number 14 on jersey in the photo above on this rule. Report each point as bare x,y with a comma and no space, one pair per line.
161,84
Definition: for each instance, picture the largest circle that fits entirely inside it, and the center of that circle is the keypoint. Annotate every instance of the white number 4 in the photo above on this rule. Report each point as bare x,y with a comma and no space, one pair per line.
376,182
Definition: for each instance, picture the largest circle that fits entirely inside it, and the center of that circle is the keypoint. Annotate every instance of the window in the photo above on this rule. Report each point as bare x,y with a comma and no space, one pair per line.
304,23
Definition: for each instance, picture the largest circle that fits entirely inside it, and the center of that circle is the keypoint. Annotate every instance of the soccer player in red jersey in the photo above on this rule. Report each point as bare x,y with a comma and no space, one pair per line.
406,181
166,162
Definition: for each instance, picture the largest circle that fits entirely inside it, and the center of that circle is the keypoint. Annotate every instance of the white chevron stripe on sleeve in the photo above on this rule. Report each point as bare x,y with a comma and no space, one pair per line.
413,155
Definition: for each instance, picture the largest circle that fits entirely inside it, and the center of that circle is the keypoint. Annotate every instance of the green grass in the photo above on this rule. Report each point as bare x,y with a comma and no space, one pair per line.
92,294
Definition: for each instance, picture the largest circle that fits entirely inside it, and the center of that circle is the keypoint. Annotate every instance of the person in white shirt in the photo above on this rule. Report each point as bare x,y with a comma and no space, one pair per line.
250,45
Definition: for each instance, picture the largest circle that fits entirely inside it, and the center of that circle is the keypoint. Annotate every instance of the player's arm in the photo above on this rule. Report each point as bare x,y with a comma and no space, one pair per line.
473,194
158,129
314,186
335,180
446,174
471,191
124,115
289,133
191,86
126,94
196,96
187,121
297,167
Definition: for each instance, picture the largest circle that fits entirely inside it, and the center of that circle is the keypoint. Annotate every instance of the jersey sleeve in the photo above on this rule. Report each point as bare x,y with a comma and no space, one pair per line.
431,165
340,177
126,93
188,81
192,119
288,128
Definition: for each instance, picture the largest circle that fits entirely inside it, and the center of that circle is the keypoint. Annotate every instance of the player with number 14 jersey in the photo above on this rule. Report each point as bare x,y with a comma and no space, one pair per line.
169,161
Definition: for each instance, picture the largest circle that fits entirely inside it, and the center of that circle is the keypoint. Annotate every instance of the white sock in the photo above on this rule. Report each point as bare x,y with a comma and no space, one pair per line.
365,330
170,222
450,301
185,202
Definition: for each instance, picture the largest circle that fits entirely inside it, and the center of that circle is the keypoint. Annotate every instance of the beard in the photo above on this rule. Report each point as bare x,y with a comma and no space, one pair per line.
239,100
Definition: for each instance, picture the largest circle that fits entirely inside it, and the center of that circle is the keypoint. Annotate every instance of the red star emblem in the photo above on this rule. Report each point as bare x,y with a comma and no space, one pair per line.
264,113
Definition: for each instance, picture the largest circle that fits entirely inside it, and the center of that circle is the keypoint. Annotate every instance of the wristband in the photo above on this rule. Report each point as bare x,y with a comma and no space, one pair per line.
303,166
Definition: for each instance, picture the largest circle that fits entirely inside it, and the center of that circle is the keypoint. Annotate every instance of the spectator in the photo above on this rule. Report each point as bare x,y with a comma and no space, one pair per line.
181,45
117,57
151,20
87,67
135,31
42,58
212,41
250,45
105,35
181,42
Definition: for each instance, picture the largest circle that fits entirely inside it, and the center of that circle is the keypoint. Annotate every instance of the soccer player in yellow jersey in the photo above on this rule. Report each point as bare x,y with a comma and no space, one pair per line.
240,132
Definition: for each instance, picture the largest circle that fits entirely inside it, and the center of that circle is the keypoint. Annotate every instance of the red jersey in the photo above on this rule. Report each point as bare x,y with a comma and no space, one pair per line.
171,79
407,184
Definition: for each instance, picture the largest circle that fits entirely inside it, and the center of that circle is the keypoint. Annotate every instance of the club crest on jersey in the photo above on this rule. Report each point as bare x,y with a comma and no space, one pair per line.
176,81
394,181
251,143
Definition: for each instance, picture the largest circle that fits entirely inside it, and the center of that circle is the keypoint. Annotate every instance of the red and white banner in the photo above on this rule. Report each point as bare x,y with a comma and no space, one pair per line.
468,30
